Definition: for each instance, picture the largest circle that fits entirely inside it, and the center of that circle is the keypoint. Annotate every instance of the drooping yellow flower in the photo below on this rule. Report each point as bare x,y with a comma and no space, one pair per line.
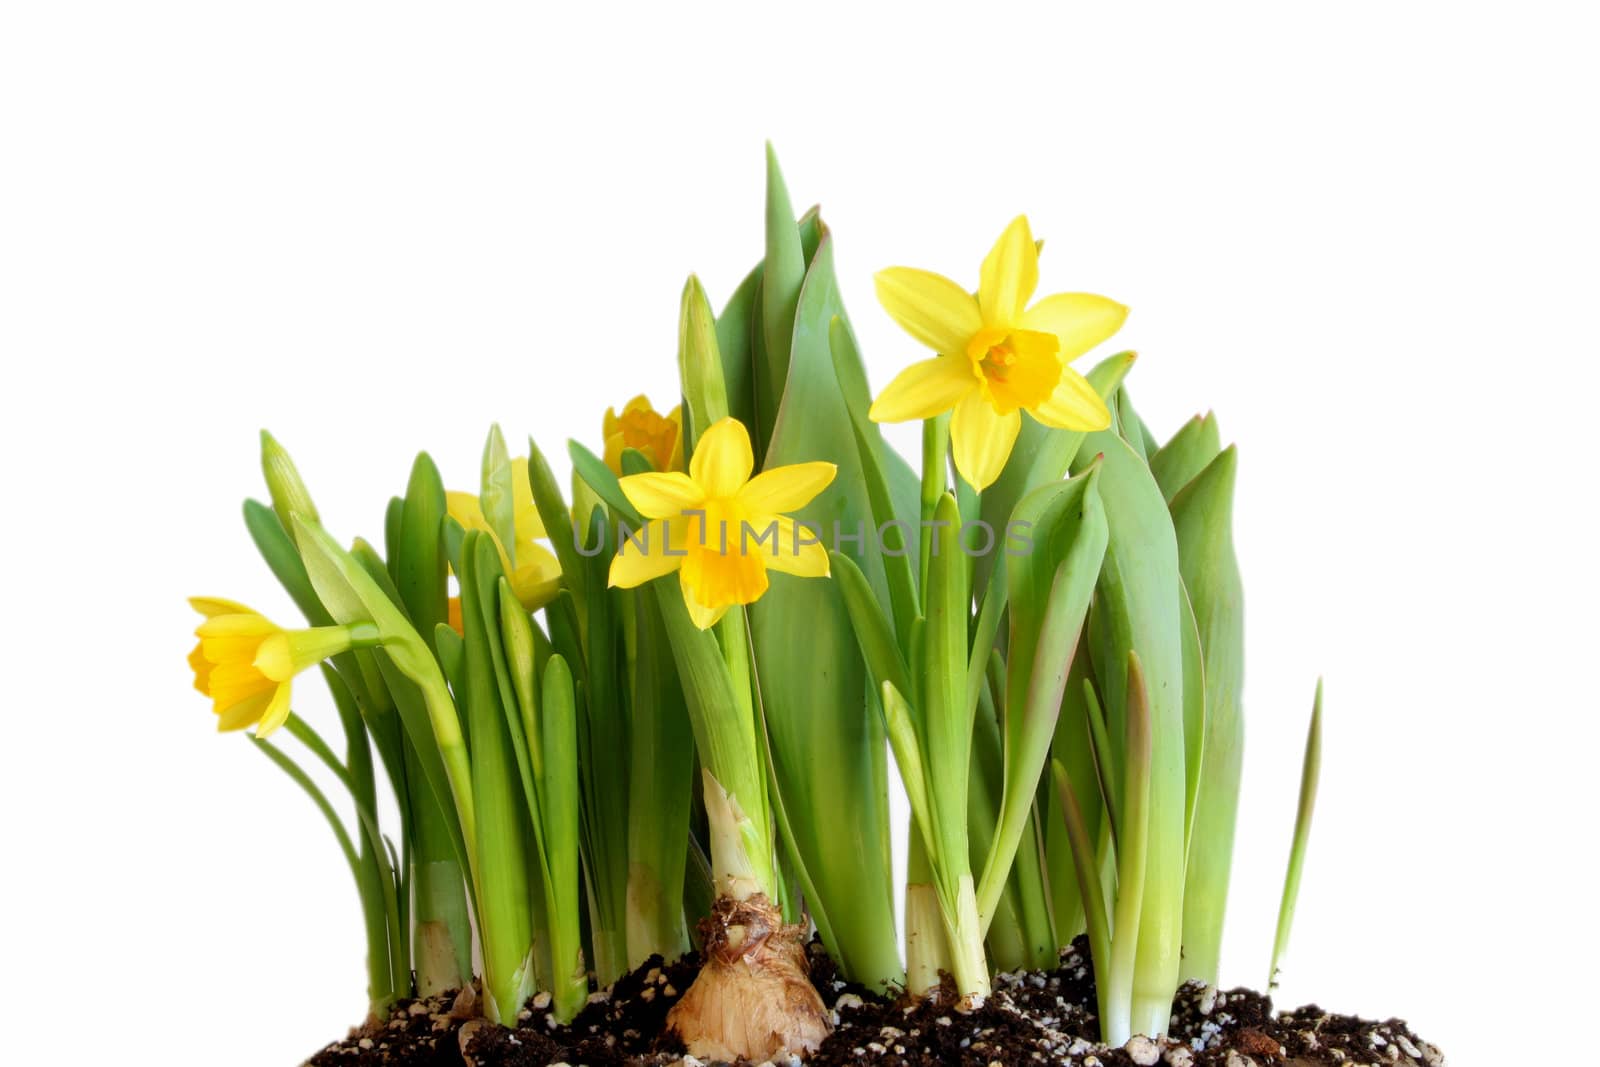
659,437
532,569
245,662
997,356
719,528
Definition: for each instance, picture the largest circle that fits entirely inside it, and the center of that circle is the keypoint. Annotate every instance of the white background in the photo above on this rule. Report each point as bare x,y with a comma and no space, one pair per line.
1365,234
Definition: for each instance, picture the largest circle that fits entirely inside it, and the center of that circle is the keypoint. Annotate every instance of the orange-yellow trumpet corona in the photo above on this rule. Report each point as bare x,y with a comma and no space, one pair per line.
640,427
719,528
245,662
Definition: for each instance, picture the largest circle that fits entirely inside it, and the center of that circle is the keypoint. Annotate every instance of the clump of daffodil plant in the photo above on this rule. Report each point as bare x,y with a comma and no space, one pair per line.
655,713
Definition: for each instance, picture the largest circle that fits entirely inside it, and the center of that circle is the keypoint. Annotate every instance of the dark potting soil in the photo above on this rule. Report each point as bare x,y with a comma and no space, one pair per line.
1031,1018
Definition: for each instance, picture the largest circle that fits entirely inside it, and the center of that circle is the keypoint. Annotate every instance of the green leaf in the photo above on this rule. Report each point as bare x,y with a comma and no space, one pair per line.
946,723
417,552
1202,513
1049,590
1194,712
290,497
660,789
894,542
283,559
561,817
1310,775
496,497
740,318
827,739
700,371
1186,455
873,631
1137,601
783,271
1042,455
556,518
501,879
598,476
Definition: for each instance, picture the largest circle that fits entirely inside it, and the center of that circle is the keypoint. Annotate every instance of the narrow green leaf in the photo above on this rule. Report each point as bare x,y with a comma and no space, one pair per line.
700,371
783,270
1310,775
1202,515
290,497
496,497
556,518
1049,590
873,631
1194,712
597,476
1085,864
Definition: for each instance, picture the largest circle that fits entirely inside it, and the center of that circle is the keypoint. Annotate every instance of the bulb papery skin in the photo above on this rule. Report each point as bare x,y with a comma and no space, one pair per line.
753,997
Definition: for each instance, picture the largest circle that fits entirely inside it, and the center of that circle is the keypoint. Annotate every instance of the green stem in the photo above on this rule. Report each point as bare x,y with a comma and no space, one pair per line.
935,445
380,979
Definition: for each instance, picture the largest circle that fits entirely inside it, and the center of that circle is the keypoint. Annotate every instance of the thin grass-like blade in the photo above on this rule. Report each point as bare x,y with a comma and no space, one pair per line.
1310,776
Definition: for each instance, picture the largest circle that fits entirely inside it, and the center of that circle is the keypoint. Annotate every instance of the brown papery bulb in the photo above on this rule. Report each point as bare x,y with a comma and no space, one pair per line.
753,997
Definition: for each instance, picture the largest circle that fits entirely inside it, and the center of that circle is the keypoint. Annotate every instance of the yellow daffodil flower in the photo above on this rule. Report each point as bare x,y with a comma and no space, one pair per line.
244,662
659,437
532,569
719,528
996,355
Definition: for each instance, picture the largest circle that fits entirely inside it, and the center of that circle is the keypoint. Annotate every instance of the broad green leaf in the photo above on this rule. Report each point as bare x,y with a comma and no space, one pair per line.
1049,590
1203,516
501,880
783,272
1137,601
1042,455
597,476
827,739
1177,462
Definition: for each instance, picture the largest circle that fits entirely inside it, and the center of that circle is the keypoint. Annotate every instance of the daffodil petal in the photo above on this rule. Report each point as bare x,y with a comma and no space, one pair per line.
525,512
202,669
786,488
211,606
703,617
663,495
464,508
1073,405
1010,275
930,307
797,552
1080,320
923,390
251,625
238,715
981,440
649,553
277,712
722,460
537,578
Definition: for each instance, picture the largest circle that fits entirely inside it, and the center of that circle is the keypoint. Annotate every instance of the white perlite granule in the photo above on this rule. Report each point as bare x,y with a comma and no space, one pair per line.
1142,1050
